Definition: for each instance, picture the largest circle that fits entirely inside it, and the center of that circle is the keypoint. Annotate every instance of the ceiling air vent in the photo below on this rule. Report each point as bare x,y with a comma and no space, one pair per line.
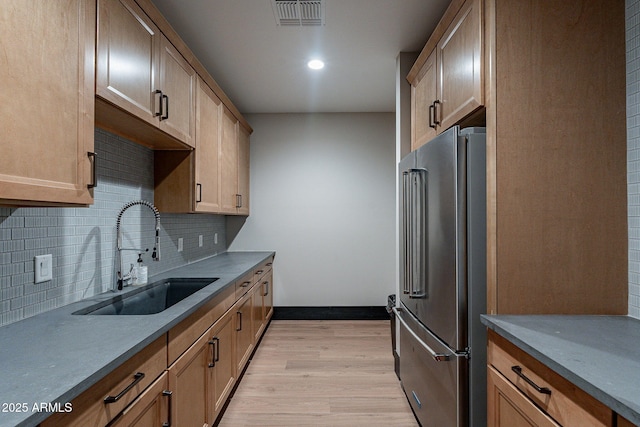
297,13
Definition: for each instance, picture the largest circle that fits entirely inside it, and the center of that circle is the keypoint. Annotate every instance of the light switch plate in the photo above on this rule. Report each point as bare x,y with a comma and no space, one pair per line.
180,244
43,268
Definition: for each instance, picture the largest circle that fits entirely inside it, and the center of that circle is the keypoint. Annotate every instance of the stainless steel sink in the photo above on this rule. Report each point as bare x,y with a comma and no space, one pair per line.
150,299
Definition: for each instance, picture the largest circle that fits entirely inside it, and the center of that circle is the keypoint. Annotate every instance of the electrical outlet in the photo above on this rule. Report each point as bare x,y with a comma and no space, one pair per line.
43,268
215,239
180,244
200,240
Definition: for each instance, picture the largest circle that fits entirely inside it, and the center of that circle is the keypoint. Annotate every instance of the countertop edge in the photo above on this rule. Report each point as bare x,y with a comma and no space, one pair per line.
493,323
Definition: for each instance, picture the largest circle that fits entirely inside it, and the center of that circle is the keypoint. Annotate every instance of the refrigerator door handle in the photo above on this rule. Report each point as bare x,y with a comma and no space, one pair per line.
438,357
406,231
418,232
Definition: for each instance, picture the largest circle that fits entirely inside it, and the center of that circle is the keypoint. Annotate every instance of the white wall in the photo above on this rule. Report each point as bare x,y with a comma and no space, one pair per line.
323,197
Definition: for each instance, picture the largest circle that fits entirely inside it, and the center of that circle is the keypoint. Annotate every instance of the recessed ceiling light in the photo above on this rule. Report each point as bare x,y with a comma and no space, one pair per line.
315,64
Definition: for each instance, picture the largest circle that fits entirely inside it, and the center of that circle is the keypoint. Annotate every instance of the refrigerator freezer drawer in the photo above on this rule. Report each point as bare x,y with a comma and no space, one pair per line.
432,375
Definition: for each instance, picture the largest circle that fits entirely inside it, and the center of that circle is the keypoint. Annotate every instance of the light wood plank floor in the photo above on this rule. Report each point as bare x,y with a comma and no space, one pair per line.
321,373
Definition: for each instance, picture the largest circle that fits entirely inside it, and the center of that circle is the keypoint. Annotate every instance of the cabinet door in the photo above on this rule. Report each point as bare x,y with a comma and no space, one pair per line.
243,171
150,409
460,80
208,110
178,84
46,101
508,407
423,96
190,379
229,163
127,62
244,336
257,318
224,366
267,296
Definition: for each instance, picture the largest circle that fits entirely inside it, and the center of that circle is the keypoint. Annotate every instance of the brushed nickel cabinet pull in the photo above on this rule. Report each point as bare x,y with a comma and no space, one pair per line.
239,313
136,379
199,198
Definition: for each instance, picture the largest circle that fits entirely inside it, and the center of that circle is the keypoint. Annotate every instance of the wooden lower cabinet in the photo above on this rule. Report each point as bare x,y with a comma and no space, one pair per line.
267,296
224,367
190,380
202,378
150,409
508,407
262,304
243,311
522,391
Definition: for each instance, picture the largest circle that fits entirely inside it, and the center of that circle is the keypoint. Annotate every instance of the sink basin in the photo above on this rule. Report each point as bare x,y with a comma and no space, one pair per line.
150,299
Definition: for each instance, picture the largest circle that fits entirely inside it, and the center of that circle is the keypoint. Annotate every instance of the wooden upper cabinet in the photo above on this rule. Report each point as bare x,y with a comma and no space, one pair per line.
424,93
127,63
143,79
46,102
208,134
178,85
460,66
228,157
243,171
447,81
214,178
234,166
186,182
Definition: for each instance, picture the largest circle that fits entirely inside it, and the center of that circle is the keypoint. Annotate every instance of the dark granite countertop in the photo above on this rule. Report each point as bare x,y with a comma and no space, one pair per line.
55,356
599,354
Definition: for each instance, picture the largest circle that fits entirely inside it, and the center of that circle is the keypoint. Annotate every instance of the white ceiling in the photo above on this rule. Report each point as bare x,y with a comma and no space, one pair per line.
262,66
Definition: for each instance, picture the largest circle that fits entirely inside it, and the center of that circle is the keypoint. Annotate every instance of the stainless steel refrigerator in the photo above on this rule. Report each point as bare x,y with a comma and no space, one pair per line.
443,279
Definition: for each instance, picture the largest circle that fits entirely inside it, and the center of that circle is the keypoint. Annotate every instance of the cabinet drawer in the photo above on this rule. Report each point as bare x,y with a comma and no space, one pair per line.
565,403
124,385
508,407
150,409
183,335
244,284
262,269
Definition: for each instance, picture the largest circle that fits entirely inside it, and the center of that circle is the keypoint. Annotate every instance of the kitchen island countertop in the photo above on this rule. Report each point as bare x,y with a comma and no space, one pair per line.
599,354
54,356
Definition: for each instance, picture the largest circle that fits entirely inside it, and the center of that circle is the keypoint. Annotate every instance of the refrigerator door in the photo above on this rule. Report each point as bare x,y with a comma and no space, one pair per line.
436,261
433,376
405,168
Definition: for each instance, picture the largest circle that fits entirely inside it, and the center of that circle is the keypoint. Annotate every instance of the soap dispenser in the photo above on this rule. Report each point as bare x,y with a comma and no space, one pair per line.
141,272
